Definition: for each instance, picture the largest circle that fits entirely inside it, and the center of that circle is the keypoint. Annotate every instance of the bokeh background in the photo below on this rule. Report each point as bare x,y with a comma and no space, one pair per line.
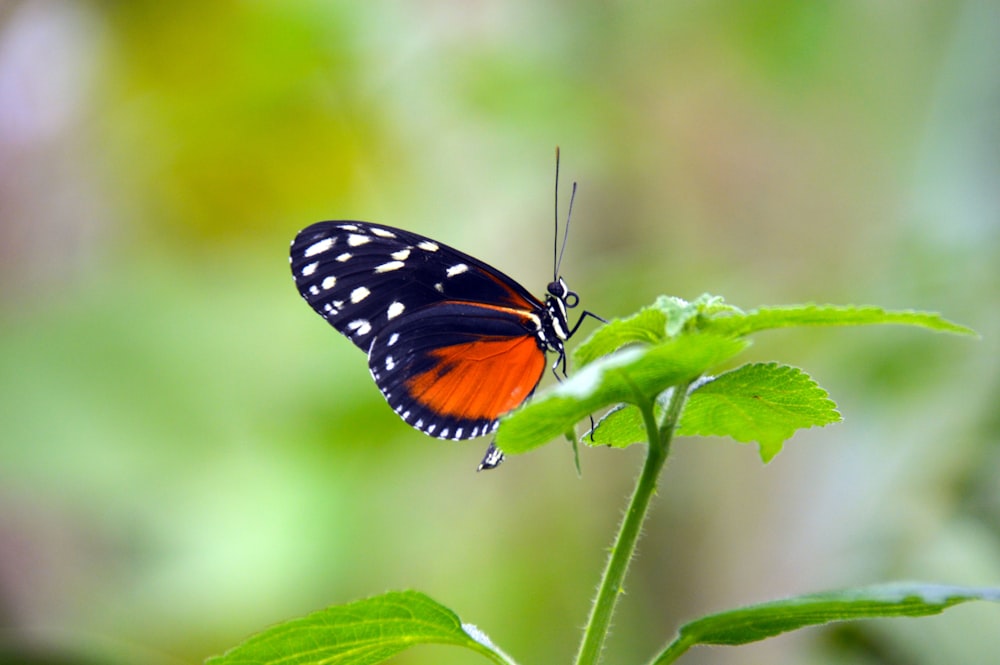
190,454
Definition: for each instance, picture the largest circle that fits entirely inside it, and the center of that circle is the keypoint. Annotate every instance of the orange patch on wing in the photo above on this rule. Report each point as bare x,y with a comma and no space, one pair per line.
480,380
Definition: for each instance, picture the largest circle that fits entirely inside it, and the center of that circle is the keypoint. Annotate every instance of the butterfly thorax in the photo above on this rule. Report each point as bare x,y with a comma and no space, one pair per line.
553,329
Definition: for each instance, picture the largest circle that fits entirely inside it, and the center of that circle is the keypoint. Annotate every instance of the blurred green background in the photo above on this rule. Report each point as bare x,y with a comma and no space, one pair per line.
190,454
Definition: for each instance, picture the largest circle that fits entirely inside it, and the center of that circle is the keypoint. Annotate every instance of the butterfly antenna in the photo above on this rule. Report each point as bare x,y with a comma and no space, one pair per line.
555,237
557,251
569,215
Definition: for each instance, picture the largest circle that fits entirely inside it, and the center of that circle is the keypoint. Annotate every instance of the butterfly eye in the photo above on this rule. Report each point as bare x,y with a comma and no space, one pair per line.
558,289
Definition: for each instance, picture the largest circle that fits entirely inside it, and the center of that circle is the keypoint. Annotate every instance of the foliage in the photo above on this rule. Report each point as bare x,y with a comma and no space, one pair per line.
360,633
653,371
372,630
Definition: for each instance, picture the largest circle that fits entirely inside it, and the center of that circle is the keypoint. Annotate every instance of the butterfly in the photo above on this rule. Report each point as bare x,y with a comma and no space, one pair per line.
452,342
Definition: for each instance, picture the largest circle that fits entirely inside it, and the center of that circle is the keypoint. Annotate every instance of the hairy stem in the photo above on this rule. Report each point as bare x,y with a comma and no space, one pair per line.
623,549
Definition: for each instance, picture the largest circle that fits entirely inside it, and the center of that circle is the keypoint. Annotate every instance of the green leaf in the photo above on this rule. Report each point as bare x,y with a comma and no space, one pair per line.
683,315
765,403
630,375
766,318
620,427
762,402
762,405
361,633
647,326
757,622
653,324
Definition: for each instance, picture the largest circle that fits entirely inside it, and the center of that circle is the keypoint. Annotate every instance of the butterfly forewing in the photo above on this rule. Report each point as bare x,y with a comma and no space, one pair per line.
361,276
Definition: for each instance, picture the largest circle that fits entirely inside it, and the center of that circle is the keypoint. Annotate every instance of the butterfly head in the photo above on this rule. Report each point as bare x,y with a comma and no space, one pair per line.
560,291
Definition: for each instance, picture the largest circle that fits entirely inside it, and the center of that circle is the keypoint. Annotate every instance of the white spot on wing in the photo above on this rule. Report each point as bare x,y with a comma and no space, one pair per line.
360,326
444,433
401,255
393,338
356,240
430,428
319,247
314,290
382,233
428,246
390,364
309,269
458,433
419,424
439,287
390,266
346,256
348,227
395,309
328,282
359,294
457,269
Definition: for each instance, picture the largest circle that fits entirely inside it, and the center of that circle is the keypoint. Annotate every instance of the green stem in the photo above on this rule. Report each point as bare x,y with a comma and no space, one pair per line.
628,533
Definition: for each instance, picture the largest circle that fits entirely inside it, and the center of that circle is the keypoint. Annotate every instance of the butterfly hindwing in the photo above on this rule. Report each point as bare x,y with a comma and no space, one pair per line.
451,369
361,277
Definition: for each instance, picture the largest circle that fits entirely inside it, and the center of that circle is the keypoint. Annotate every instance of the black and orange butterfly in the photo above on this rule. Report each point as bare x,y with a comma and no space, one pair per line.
452,343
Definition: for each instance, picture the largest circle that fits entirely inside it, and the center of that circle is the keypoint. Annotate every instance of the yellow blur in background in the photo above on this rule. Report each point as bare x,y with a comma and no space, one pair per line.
189,454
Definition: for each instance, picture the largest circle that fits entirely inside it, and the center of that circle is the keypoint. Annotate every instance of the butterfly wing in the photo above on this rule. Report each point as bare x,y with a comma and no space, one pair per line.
451,340
361,276
452,369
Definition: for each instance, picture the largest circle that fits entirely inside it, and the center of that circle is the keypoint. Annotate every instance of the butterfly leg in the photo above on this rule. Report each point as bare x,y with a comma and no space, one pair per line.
560,364
561,361
583,316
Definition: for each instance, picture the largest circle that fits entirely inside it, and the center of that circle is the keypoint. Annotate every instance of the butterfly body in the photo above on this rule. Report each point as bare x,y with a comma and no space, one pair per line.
452,342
